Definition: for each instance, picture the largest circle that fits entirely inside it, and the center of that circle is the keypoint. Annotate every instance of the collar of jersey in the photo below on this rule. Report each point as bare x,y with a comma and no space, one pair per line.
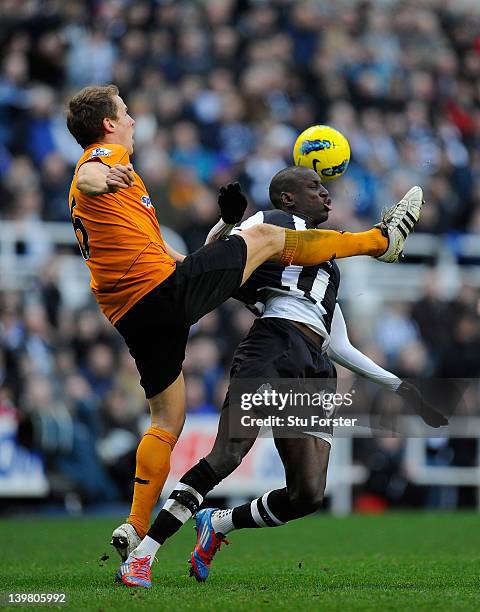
309,223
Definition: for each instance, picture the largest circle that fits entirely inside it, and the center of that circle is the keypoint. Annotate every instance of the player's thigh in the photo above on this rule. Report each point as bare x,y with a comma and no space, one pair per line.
209,277
263,242
305,461
167,408
156,335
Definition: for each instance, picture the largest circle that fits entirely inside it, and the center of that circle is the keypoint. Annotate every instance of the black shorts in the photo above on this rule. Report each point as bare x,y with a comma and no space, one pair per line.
156,327
276,348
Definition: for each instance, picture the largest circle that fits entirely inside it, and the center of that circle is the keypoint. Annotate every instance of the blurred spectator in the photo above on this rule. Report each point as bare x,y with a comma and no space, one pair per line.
90,59
187,151
55,185
67,439
14,100
99,368
40,142
197,396
395,330
203,359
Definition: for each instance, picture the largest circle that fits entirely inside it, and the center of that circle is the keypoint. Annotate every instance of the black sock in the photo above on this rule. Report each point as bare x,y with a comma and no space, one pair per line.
184,501
271,510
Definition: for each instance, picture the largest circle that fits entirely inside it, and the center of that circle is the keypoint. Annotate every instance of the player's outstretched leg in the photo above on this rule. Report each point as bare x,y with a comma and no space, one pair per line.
313,246
306,462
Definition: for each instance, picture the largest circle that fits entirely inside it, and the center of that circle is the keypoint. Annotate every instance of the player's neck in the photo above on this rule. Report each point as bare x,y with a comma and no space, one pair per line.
112,139
109,139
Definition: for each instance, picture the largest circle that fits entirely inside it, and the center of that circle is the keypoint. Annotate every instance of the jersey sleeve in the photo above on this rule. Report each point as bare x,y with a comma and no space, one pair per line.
346,355
255,219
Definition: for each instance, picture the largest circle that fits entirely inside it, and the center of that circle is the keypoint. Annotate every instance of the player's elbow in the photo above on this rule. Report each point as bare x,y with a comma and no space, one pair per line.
88,189
91,181
339,351
83,186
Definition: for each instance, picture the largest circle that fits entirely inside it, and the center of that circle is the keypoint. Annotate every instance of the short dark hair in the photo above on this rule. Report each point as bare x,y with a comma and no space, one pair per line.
87,110
285,180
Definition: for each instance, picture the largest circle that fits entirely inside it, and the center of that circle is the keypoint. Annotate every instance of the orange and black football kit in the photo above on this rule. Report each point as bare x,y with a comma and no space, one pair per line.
146,295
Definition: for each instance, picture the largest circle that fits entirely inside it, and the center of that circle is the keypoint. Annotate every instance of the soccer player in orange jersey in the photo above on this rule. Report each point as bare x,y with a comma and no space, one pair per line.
152,294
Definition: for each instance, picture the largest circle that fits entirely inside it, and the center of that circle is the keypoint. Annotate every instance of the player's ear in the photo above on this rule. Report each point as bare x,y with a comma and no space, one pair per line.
287,199
108,125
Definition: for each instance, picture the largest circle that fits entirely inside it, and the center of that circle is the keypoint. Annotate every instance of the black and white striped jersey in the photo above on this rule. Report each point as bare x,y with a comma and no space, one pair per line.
307,294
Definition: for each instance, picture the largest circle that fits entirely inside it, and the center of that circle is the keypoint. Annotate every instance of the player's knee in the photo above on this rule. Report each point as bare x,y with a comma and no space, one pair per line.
264,235
171,422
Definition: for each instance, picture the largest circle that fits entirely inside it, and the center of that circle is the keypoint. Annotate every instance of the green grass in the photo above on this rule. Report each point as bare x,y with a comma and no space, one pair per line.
393,562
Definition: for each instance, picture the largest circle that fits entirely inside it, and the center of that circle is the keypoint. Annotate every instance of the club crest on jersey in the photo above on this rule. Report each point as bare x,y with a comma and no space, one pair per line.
145,200
101,152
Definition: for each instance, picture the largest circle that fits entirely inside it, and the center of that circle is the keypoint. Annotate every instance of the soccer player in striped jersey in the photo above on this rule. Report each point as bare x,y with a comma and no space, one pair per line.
151,293
301,326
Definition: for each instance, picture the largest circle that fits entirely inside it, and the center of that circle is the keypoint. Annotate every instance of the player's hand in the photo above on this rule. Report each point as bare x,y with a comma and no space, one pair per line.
119,177
232,203
414,398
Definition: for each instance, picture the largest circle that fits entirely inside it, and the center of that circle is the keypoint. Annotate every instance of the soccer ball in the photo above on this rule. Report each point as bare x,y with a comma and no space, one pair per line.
324,149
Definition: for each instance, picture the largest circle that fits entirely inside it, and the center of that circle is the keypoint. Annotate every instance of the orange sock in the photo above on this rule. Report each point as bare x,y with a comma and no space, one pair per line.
311,247
153,466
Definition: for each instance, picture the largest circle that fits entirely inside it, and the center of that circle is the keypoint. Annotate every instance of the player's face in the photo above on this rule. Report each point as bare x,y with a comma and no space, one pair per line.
124,125
312,199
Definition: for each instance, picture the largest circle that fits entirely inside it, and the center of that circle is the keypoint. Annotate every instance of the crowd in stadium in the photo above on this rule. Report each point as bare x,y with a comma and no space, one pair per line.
219,91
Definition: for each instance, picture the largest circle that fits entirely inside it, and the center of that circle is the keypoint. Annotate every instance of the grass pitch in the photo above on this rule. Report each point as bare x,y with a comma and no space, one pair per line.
394,562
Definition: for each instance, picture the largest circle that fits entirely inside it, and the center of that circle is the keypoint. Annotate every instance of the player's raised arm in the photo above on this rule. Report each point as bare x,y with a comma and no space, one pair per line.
95,178
232,203
219,230
345,354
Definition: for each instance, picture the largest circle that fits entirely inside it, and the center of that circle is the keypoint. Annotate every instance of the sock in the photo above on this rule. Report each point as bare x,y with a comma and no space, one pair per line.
271,510
147,547
311,247
153,465
222,521
184,501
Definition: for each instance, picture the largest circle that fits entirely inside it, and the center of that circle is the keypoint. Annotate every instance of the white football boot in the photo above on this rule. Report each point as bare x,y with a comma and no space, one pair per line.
124,540
398,221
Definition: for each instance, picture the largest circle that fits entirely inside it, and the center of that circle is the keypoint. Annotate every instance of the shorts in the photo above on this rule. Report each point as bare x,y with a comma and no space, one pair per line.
276,348
156,327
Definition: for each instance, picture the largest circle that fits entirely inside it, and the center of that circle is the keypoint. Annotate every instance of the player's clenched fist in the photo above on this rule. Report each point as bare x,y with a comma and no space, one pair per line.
119,177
